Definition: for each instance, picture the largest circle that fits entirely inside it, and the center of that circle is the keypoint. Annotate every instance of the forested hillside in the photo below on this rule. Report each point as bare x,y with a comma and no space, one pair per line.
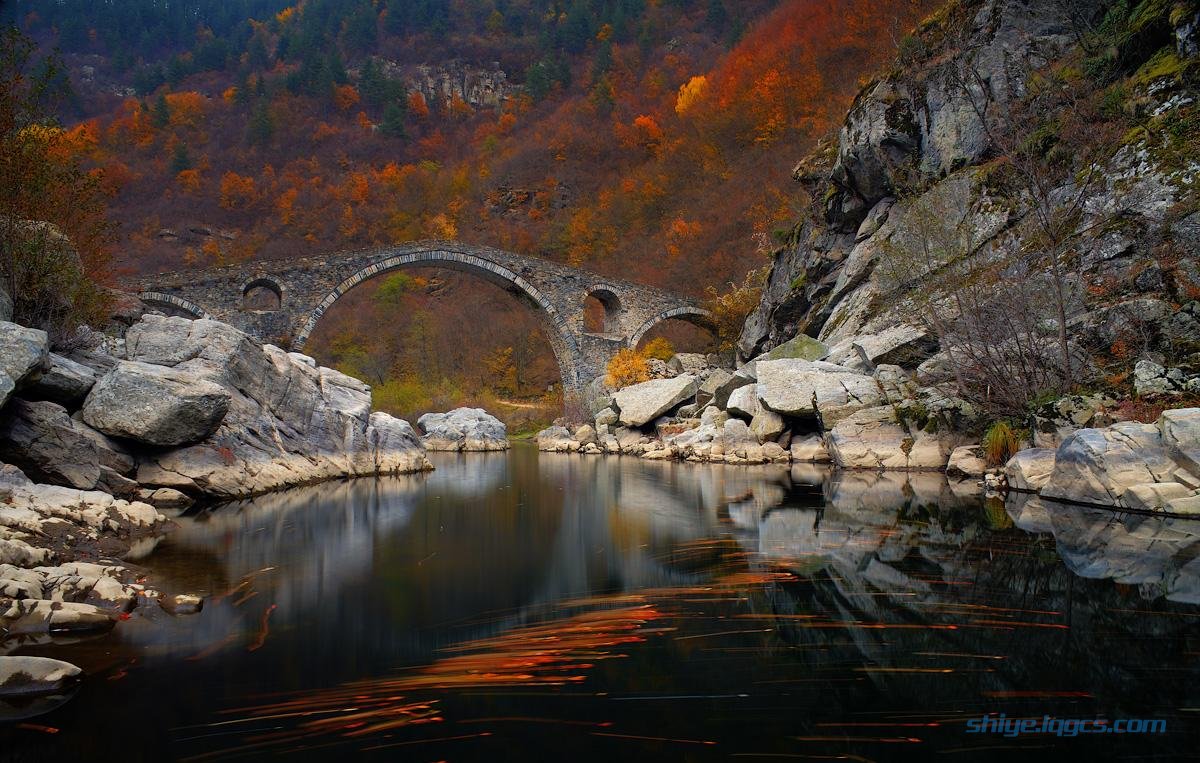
651,140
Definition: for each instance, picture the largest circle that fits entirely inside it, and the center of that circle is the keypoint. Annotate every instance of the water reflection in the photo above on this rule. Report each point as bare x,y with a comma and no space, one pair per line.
597,607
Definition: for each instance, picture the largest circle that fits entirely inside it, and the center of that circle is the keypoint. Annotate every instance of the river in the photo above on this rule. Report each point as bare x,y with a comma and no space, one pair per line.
528,606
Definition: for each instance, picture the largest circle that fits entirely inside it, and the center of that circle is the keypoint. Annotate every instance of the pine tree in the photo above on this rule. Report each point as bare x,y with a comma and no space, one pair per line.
162,112
393,122
371,83
180,161
261,126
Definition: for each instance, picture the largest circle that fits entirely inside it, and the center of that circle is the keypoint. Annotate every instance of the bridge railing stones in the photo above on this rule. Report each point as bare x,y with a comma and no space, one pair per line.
308,287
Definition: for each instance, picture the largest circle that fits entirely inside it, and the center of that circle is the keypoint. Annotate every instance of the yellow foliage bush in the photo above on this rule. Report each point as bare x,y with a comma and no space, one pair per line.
659,347
627,367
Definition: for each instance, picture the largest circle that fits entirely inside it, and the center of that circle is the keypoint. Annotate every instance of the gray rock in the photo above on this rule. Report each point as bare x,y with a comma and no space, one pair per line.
26,676
743,402
48,445
1029,470
155,405
166,499
721,391
63,381
900,345
607,417
707,391
766,425
585,434
872,438
800,347
810,450
393,445
23,352
640,404
1180,430
1098,465
34,617
556,439
1153,496
1149,378
966,461
809,388
463,429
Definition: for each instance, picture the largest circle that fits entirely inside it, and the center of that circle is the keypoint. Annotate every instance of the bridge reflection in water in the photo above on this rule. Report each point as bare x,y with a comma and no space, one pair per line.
597,607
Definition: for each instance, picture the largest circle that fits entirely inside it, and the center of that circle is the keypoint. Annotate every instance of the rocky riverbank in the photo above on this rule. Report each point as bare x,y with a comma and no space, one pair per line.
825,408
99,442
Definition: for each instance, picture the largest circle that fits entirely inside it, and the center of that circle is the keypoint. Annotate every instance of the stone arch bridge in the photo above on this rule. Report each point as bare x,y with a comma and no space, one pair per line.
281,301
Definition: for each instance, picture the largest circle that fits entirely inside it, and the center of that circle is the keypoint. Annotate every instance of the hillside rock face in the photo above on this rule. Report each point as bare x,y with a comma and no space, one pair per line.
919,127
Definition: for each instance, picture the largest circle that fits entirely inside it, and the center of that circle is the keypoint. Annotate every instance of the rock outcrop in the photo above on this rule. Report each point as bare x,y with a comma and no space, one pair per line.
463,429
919,127
1129,465
640,404
192,406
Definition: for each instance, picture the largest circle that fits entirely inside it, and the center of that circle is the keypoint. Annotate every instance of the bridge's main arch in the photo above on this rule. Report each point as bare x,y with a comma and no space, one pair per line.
566,351
282,301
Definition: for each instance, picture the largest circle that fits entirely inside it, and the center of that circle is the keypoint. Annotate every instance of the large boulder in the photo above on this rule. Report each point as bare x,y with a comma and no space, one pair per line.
463,429
802,347
289,421
810,450
743,402
393,444
23,354
1029,470
966,461
639,404
155,405
556,439
812,388
873,438
48,445
1099,465
902,345
723,389
62,381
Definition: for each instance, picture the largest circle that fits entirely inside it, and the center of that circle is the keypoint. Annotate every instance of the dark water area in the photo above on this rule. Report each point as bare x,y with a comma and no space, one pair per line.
528,606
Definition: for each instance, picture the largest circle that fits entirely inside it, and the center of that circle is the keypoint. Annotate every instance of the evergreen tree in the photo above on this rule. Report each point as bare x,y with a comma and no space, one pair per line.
180,161
162,112
261,127
371,84
393,121
717,16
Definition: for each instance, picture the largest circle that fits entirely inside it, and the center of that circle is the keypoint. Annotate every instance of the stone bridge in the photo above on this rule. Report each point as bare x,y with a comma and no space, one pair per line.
281,301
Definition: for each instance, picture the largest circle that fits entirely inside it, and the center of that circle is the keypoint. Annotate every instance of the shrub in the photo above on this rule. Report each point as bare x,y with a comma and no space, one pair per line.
1000,443
659,347
627,367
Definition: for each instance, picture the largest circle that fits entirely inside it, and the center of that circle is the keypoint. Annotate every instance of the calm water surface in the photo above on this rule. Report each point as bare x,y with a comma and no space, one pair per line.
545,607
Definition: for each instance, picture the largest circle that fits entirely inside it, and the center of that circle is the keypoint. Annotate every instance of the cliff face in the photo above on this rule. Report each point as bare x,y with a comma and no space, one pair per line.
924,136
443,82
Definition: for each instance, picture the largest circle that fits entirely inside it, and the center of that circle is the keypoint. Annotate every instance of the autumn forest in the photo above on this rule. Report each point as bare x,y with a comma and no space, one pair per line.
647,139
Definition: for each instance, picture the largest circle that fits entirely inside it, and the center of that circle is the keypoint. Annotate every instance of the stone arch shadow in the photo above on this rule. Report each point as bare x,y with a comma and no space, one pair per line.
263,283
697,316
558,331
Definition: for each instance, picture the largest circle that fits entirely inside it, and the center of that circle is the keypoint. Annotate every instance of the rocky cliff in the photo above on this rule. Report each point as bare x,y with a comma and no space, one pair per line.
940,134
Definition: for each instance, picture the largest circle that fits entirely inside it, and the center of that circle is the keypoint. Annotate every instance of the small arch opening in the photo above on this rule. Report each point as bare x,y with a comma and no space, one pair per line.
601,312
262,295
678,335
